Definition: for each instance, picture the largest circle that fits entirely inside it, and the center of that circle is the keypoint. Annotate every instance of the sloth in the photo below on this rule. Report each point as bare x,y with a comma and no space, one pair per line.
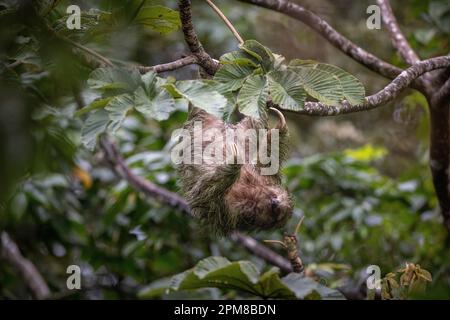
235,196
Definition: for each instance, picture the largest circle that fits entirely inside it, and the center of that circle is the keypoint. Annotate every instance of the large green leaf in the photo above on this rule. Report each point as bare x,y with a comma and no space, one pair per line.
352,89
233,75
239,57
219,272
94,22
304,287
114,81
231,97
286,90
153,100
260,53
158,18
94,125
117,109
253,96
94,105
200,95
320,84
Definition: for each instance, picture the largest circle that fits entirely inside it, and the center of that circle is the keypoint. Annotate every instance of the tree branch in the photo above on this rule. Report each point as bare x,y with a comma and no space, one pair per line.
398,39
390,92
170,66
33,279
262,251
204,59
149,189
175,201
443,93
329,33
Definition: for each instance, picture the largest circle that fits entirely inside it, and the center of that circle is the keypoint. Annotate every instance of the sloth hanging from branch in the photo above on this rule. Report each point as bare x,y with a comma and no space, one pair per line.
230,173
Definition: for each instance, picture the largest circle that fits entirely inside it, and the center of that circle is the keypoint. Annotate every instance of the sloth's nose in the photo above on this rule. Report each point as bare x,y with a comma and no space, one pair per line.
274,202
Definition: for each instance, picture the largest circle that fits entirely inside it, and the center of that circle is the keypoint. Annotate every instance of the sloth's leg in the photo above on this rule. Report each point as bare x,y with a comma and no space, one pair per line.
283,135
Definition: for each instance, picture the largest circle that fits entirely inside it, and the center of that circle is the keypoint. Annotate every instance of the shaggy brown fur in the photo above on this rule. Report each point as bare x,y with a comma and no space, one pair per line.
227,197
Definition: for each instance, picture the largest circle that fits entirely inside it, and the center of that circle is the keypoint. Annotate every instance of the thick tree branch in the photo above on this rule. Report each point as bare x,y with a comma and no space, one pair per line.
175,201
390,92
329,33
33,279
398,39
170,66
204,59
149,189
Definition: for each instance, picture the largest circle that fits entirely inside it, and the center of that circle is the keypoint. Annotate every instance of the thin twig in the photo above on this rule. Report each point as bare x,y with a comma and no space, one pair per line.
93,53
14,64
297,228
170,66
227,22
31,276
281,243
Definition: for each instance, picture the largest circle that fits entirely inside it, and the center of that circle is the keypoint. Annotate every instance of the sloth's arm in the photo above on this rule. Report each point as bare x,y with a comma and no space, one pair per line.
205,189
283,147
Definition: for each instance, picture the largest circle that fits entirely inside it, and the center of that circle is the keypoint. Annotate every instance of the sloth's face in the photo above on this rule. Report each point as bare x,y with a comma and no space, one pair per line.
258,202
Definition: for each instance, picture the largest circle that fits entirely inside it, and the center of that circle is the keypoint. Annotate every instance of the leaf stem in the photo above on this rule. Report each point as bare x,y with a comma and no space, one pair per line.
227,22
97,55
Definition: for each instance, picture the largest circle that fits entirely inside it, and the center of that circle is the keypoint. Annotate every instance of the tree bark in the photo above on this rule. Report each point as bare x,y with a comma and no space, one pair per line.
440,154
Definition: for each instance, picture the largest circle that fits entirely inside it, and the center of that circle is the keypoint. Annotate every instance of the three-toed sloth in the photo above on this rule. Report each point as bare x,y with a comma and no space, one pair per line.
228,182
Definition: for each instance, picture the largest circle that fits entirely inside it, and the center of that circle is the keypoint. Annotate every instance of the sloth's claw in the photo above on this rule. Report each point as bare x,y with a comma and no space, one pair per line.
282,123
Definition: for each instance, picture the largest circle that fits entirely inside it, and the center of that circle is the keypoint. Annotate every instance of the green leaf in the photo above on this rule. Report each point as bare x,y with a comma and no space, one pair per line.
155,289
213,267
425,274
279,62
320,84
239,57
201,95
19,205
286,90
231,97
219,272
233,75
253,96
117,109
94,125
114,81
260,53
159,18
94,105
307,288
95,22
352,89
153,100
